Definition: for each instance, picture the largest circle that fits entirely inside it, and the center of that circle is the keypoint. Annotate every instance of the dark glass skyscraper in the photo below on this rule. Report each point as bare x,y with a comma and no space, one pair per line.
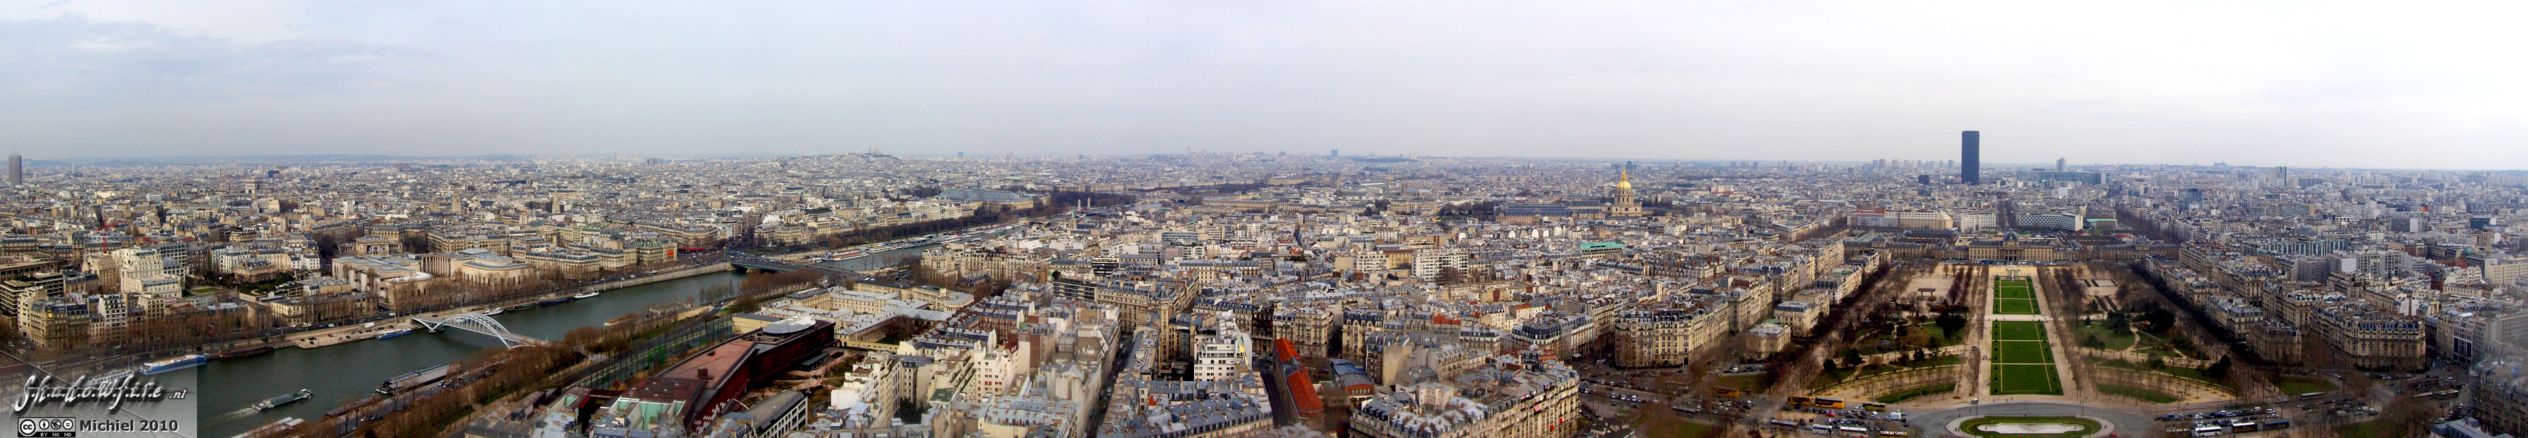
1968,170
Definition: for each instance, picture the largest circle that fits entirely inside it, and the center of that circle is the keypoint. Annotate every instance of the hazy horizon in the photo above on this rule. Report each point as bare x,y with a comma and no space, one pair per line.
2321,84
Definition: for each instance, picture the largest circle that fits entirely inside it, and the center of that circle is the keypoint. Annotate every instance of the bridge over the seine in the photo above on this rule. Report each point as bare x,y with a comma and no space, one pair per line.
478,323
771,265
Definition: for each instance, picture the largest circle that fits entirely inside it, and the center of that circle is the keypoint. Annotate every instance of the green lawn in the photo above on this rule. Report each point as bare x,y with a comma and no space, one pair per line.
2014,297
1909,394
2087,426
2294,386
2143,394
1939,337
2022,360
2021,352
2018,331
2187,373
2015,288
2014,293
2014,307
2026,379
2113,341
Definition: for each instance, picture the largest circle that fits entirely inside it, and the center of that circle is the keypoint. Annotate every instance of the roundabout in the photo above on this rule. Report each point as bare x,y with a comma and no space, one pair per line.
2028,419
2029,426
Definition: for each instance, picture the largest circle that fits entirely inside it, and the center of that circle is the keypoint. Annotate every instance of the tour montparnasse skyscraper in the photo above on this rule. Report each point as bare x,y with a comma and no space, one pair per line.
1969,171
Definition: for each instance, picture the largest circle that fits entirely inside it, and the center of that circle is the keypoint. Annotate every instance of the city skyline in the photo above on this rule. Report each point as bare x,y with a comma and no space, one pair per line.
2307,85
2058,163
1575,289
1302,219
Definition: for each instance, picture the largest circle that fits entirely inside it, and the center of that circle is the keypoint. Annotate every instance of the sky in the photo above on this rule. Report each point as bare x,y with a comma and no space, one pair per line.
2297,83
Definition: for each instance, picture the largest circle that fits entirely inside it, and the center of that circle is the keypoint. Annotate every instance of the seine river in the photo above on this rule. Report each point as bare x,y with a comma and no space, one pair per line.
341,373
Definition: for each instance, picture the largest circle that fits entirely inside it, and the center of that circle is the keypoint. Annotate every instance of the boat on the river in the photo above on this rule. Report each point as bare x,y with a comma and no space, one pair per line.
283,399
553,301
414,379
495,311
394,334
163,366
584,295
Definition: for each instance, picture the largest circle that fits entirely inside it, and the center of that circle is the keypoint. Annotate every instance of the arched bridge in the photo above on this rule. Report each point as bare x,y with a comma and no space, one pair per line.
477,323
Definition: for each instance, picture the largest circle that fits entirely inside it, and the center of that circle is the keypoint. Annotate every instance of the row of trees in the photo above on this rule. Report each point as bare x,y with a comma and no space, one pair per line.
1779,367
2202,323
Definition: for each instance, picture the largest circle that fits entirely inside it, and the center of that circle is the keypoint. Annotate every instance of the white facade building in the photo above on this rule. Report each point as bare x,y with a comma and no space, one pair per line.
1226,355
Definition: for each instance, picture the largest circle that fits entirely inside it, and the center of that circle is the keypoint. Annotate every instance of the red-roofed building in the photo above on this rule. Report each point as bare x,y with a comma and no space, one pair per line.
1303,393
703,386
1299,389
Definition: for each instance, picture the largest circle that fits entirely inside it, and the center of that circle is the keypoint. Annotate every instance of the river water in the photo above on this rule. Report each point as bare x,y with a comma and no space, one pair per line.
880,260
341,373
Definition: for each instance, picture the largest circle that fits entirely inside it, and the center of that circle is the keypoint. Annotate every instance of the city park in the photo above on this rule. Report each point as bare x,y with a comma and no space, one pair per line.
2009,348
2035,355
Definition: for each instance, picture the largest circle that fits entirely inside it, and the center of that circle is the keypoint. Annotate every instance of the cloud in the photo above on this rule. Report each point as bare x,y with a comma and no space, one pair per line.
71,63
2315,83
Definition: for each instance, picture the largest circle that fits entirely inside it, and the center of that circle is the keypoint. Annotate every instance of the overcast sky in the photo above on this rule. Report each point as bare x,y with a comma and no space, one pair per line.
2352,84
